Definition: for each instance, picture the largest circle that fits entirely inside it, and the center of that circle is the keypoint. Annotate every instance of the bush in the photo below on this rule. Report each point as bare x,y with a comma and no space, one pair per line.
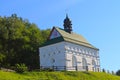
20,68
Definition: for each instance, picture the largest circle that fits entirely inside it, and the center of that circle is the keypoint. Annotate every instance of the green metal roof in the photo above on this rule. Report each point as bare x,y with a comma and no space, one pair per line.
53,41
69,37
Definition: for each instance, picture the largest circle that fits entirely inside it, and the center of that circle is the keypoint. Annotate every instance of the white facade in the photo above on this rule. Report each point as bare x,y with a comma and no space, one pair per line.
52,55
69,55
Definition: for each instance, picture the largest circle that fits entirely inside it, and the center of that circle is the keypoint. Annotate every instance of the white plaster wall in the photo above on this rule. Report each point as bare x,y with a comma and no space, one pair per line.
54,51
62,53
81,52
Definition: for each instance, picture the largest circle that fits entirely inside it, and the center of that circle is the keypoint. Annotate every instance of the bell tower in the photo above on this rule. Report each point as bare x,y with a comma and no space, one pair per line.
67,24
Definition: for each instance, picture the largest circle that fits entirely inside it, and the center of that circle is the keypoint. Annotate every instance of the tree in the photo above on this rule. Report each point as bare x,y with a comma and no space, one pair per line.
20,41
1,59
103,70
118,73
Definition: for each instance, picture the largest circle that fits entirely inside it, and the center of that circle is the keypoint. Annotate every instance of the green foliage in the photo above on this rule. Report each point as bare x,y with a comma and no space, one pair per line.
118,73
47,69
19,41
20,68
1,57
72,75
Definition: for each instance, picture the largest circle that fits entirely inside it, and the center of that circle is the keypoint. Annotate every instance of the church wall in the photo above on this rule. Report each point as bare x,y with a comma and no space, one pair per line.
52,55
81,52
62,53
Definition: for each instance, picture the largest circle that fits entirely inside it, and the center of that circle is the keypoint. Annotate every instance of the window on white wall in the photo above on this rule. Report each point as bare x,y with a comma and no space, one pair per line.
74,61
84,64
94,65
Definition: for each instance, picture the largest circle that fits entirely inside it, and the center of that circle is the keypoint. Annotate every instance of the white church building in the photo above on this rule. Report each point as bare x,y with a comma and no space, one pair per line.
66,50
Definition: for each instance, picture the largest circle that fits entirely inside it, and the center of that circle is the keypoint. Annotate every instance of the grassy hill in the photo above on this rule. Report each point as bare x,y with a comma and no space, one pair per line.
57,76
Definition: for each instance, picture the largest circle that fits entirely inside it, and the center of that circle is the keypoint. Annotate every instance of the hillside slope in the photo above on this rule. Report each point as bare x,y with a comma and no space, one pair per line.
57,76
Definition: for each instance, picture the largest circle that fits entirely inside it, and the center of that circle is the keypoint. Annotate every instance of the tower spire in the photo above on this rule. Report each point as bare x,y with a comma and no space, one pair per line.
67,24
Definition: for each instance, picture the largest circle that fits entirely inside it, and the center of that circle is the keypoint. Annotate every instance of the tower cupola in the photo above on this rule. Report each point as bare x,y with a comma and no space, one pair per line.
67,24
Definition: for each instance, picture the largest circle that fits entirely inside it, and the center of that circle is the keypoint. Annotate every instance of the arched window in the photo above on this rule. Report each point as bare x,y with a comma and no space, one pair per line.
94,65
74,61
84,64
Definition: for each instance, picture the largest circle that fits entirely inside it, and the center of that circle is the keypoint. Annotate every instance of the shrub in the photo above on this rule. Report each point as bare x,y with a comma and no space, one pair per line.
20,68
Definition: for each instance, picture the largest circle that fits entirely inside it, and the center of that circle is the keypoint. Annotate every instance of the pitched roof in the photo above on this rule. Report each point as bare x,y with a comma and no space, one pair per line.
69,37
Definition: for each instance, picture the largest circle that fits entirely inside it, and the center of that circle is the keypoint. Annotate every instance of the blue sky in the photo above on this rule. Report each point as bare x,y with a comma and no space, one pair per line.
97,20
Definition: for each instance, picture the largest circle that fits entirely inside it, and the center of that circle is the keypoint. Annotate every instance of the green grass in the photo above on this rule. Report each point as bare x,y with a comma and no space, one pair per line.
57,76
